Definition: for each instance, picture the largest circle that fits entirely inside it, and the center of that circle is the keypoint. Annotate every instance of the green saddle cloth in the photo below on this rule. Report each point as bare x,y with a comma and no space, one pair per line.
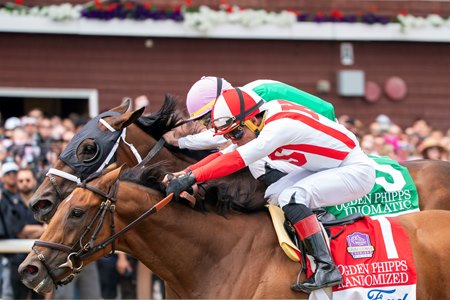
394,193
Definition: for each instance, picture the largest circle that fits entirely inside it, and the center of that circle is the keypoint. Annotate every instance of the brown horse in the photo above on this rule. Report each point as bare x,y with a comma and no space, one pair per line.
199,253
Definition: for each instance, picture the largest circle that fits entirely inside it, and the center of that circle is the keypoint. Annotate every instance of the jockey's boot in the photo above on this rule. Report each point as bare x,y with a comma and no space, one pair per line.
310,233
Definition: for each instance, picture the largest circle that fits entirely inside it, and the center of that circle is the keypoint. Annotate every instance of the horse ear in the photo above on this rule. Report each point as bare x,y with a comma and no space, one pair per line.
109,168
126,103
113,174
126,119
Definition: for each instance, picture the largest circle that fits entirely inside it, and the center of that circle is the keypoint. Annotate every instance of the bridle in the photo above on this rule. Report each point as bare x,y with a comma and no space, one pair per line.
86,247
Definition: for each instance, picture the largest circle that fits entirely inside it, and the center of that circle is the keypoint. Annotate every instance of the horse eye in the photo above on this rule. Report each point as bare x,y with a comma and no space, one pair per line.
90,149
90,152
76,213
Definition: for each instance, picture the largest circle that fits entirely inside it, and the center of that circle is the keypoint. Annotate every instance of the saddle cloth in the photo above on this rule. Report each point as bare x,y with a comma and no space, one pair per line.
393,194
373,255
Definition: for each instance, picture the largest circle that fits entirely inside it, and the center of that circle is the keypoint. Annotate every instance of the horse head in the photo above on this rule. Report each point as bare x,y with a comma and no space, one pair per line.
70,240
90,150
116,135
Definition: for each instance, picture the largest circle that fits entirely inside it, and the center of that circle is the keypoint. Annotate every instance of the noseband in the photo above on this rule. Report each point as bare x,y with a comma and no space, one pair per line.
82,250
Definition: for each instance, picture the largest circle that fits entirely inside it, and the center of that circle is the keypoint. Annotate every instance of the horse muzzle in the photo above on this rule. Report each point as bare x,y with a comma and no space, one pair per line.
35,276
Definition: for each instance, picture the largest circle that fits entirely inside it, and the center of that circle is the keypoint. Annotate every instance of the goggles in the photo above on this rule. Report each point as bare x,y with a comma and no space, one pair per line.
235,134
223,124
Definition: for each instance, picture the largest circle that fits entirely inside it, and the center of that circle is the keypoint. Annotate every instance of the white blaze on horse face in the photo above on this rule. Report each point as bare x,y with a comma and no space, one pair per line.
69,197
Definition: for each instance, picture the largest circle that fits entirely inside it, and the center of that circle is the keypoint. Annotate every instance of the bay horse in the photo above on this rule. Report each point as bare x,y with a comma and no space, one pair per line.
199,253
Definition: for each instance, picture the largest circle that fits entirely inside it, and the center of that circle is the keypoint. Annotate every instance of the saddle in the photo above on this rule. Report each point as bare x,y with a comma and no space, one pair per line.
286,233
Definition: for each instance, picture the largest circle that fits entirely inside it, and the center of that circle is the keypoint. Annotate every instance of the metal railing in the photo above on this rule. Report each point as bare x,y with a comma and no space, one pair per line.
16,245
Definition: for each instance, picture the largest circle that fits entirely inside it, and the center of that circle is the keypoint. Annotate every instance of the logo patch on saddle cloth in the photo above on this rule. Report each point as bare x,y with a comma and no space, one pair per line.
375,259
359,245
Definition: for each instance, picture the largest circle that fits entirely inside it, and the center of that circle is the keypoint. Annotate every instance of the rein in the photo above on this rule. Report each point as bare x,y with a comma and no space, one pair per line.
80,251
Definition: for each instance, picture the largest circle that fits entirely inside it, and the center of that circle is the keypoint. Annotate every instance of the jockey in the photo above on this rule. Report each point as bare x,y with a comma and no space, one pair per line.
199,102
334,170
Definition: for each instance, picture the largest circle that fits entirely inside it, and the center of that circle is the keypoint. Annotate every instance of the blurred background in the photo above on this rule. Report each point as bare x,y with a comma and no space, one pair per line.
355,54
384,65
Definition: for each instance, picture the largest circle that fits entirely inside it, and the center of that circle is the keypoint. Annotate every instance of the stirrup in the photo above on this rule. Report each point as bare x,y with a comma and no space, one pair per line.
297,286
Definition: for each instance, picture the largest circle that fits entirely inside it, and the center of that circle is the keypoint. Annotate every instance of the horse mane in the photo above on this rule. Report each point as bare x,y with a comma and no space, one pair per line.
151,176
164,120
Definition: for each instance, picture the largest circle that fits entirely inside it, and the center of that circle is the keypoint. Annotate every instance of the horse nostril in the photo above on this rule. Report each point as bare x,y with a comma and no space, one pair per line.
30,269
41,204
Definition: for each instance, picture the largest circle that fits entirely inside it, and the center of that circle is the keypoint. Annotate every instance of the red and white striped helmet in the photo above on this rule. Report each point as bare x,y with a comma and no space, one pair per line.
234,107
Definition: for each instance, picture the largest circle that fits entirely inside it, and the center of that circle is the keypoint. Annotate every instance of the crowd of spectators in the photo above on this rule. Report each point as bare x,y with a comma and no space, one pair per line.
383,137
30,144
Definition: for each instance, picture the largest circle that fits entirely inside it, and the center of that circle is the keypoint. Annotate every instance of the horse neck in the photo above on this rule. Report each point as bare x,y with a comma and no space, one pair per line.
144,143
194,251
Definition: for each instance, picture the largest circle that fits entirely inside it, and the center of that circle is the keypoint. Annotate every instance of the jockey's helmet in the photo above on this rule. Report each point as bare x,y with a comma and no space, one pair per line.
203,93
233,108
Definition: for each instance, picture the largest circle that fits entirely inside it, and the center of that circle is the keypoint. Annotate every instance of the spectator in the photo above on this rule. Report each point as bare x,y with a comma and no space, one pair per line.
23,149
419,131
70,123
86,285
110,277
118,274
26,183
10,124
431,148
352,124
384,123
30,126
126,267
36,113
20,223
3,153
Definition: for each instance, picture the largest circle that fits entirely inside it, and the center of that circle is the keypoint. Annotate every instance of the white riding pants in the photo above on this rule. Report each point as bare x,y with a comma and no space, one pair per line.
354,178
258,168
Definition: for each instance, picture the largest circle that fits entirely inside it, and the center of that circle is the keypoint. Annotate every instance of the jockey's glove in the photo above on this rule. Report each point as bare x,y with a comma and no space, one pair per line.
180,184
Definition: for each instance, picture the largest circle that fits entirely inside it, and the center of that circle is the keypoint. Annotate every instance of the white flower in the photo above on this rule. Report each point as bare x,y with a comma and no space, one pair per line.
206,19
409,21
63,12
34,11
435,20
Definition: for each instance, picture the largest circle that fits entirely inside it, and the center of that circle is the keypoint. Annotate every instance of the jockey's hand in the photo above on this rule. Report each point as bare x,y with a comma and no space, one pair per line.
171,176
170,138
180,184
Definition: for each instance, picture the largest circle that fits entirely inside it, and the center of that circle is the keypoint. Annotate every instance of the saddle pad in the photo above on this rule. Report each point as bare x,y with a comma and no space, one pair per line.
393,194
285,242
375,260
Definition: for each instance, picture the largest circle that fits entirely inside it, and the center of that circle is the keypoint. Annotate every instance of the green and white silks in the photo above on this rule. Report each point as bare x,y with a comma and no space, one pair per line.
270,90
